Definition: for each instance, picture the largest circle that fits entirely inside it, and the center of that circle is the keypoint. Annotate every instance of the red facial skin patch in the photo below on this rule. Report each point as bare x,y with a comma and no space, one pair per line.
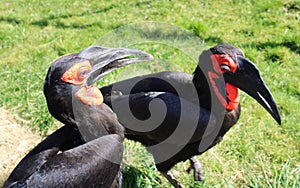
77,73
233,94
212,76
89,95
76,76
223,59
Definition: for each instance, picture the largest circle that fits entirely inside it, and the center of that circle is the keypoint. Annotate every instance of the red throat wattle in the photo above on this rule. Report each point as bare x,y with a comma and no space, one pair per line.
233,95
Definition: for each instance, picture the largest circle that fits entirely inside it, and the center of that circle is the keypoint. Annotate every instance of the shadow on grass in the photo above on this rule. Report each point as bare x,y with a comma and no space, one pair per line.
213,39
47,20
44,22
292,45
10,20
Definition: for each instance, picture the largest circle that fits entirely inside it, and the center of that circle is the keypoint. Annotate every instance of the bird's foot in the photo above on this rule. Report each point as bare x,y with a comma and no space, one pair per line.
172,180
196,166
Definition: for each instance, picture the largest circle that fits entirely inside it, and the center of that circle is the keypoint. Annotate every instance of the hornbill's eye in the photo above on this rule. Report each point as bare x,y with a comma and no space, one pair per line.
83,71
77,73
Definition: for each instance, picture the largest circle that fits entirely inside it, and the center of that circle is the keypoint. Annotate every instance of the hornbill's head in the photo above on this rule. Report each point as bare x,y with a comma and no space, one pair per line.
71,77
226,69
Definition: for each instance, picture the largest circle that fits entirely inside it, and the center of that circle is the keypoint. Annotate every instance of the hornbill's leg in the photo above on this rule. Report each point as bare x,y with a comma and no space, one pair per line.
171,179
197,168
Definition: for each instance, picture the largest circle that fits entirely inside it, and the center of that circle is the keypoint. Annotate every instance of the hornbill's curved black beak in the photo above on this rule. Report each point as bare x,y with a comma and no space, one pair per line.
104,60
248,79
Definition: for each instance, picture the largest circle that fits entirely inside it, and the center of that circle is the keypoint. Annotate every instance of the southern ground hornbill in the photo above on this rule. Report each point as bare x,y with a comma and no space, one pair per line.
178,115
87,151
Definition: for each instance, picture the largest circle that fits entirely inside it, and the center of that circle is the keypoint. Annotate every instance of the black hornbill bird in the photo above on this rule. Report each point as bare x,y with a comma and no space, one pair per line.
88,150
178,115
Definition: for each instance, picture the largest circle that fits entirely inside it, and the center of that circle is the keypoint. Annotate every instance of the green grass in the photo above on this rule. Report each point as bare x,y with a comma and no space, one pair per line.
255,153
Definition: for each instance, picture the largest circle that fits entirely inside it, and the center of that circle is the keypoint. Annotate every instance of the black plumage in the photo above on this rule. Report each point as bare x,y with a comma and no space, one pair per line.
178,115
88,150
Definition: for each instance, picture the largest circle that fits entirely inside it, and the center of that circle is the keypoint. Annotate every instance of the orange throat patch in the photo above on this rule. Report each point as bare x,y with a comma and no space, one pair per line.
89,95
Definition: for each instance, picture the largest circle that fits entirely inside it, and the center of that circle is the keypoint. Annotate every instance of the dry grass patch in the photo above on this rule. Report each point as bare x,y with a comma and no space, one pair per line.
15,142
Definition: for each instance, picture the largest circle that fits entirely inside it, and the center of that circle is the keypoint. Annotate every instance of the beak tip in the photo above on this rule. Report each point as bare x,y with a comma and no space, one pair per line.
278,120
276,116
148,57
151,58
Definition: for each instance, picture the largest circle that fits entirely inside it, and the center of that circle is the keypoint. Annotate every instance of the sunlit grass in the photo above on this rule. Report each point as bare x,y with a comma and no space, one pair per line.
255,153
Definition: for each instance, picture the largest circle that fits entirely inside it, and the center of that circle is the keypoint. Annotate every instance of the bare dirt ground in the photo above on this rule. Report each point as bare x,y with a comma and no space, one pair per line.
15,142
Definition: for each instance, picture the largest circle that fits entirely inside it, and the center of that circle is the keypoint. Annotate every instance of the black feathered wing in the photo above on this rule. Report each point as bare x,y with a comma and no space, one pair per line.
155,117
96,163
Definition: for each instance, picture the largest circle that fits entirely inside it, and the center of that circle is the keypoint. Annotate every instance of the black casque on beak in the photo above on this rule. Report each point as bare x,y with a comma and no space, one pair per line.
104,60
248,79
